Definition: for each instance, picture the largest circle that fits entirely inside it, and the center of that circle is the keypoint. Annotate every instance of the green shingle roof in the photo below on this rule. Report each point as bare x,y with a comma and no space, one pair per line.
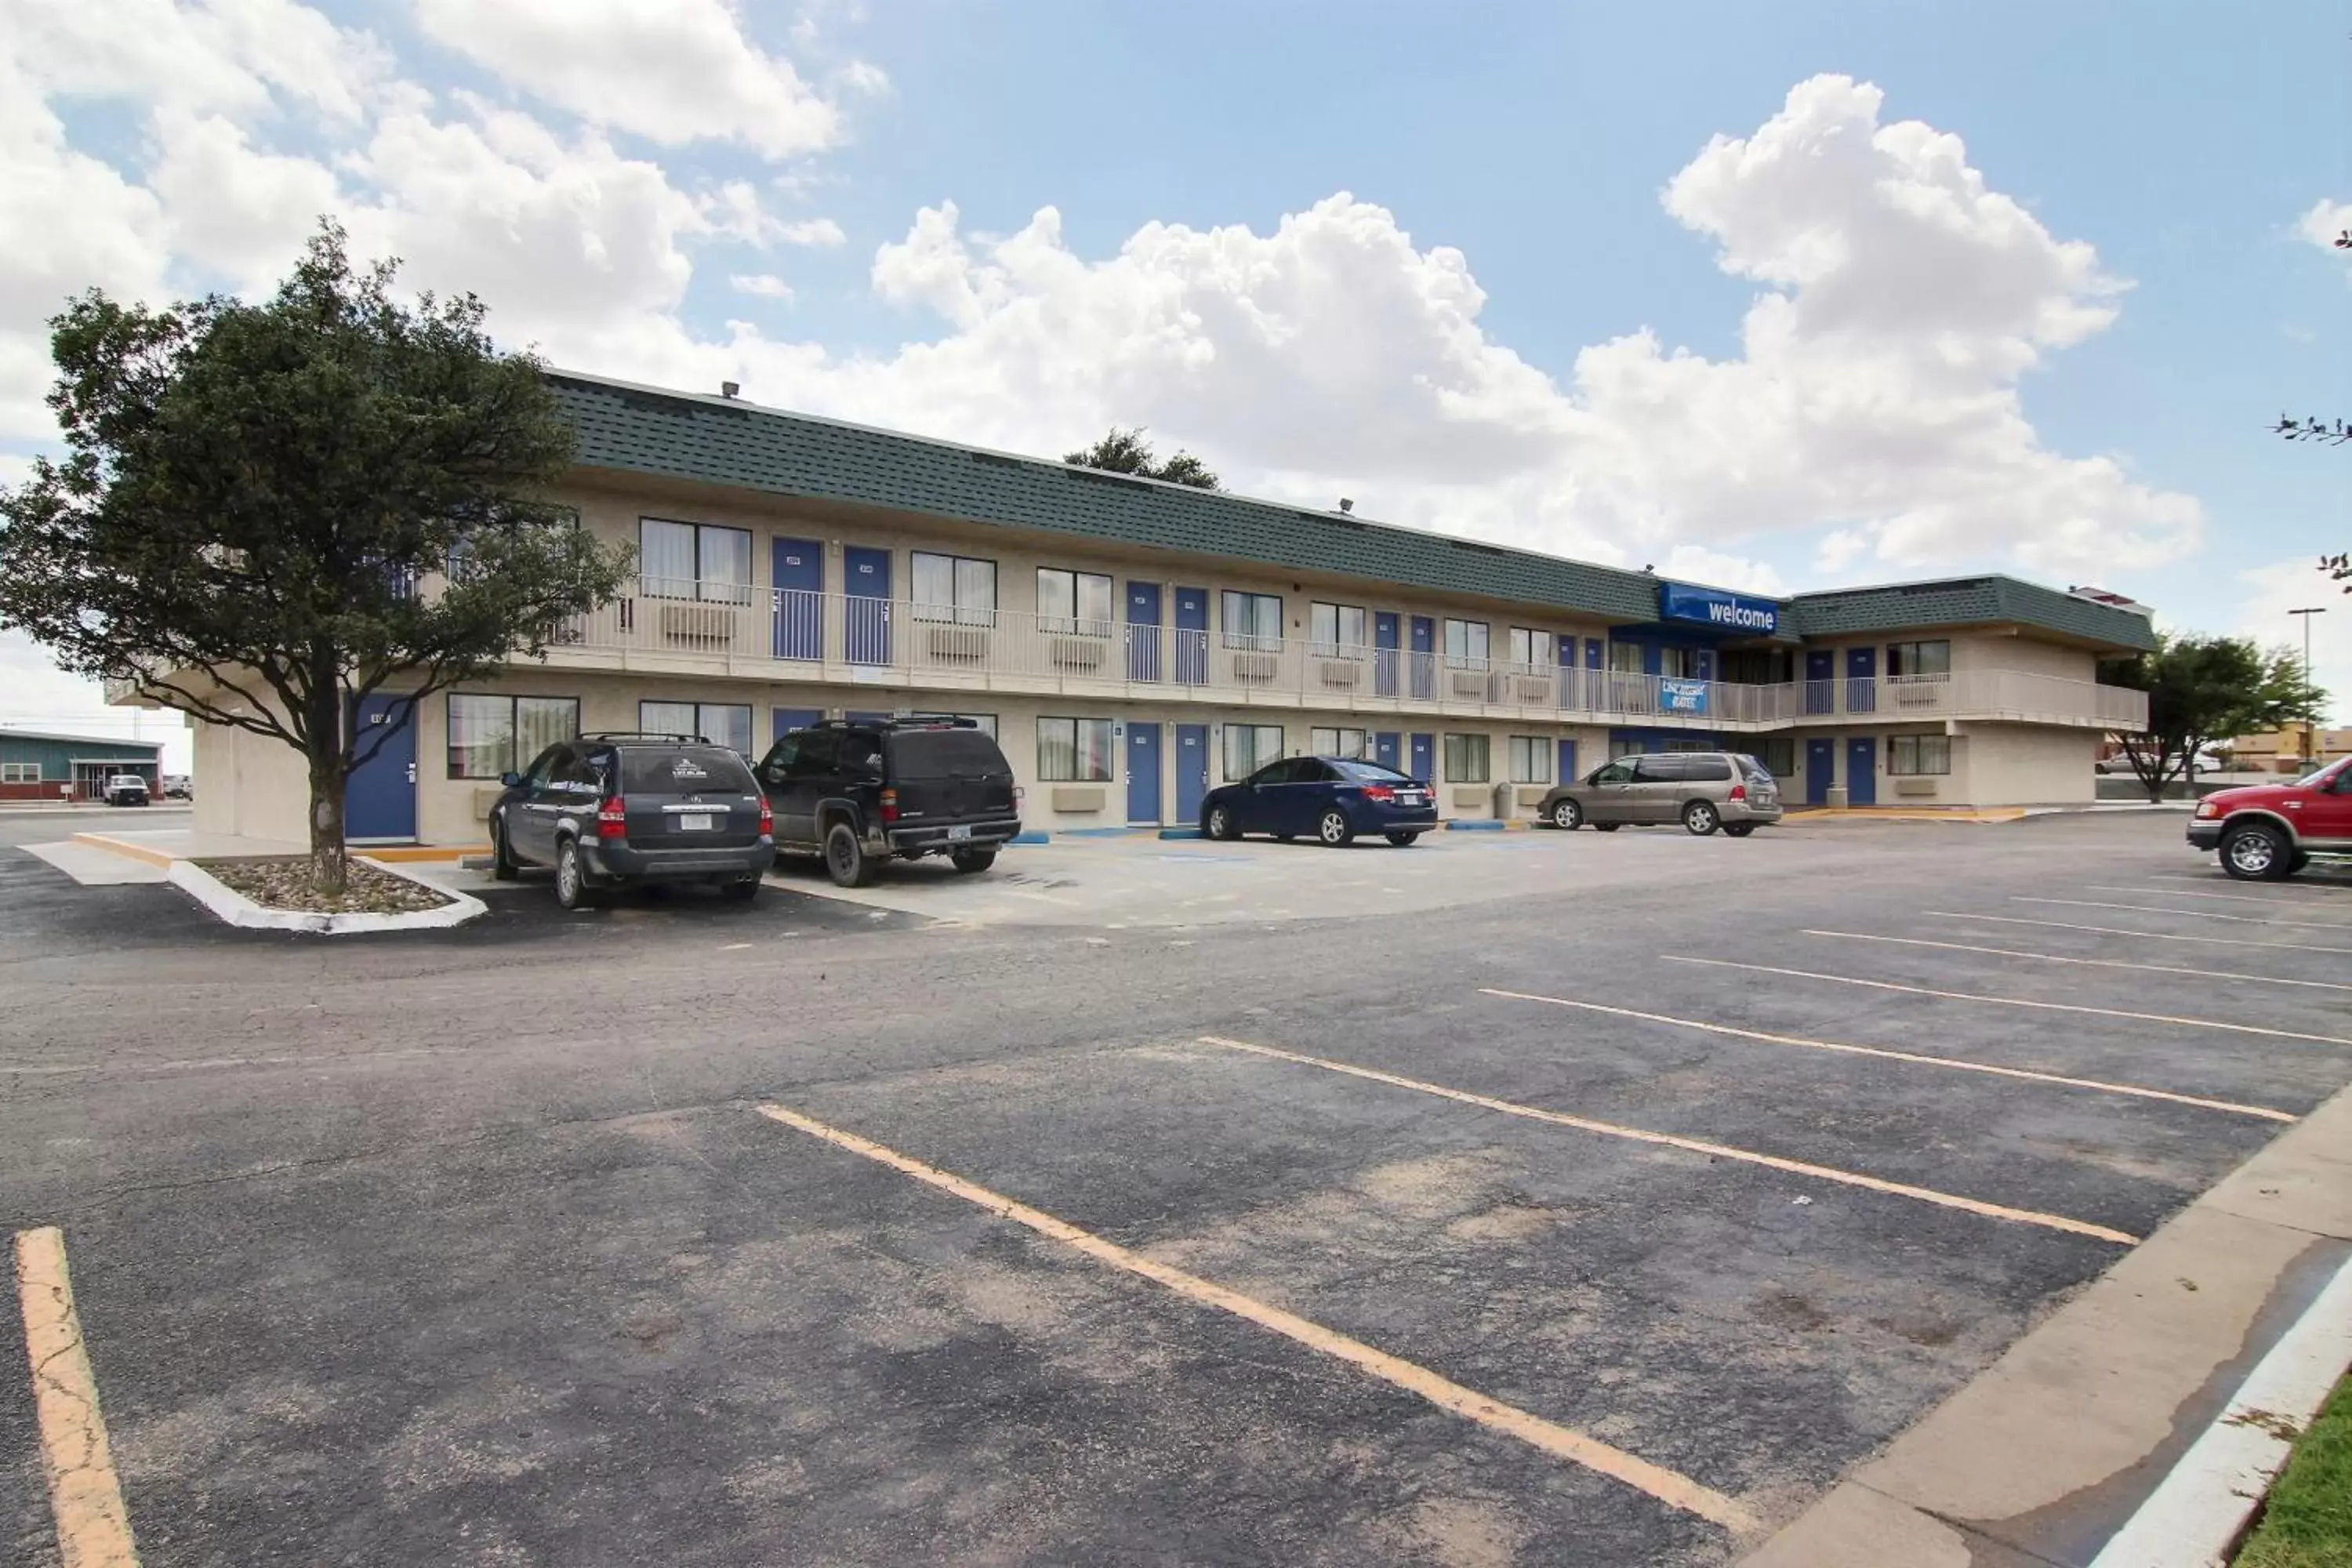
677,434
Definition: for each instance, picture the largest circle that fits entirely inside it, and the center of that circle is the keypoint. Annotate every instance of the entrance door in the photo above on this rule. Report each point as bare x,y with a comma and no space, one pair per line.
1386,747
1191,770
866,635
1820,681
1862,680
1424,658
1821,770
1143,775
1143,634
1192,636
1424,748
1384,655
1862,770
380,801
1567,774
799,574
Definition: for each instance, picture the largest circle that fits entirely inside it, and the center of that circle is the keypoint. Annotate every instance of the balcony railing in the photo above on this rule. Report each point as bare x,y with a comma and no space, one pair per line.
783,633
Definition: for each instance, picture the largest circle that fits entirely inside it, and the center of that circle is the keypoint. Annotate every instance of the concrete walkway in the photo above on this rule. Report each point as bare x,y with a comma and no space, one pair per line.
94,867
161,847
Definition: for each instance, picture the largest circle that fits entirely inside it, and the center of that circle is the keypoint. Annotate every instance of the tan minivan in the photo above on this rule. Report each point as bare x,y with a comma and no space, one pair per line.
1703,791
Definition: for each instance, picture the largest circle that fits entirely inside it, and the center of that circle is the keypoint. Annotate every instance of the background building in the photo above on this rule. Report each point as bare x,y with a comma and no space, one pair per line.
1131,643
35,766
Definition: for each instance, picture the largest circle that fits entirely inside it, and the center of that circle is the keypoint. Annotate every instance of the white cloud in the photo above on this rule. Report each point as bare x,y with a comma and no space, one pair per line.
673,71
212,55
1696,563
2325,223
821,232
236,210
2271,591
760,285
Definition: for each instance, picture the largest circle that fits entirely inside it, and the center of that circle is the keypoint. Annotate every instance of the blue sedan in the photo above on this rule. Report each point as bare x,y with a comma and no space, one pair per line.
1334,798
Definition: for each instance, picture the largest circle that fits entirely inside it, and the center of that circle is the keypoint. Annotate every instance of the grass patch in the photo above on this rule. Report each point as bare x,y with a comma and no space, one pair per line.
2307,1522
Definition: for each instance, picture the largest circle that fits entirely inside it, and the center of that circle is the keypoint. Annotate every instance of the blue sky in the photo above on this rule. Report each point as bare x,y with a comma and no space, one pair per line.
2117,266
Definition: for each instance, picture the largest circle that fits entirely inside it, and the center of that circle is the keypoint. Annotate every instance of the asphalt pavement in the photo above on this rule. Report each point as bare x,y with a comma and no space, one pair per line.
819,1232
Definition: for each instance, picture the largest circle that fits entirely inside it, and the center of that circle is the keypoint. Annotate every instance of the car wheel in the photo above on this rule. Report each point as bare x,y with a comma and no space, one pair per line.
972,861
572,888
1740,829
2256,853
1700,819
740,892
1566,814
1220,823
2298,863
1607,826
1334,830
1403,840
502,863
845,859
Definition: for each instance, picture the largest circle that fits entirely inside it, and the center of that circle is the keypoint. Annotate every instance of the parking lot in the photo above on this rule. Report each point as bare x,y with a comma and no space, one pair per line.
1514,1197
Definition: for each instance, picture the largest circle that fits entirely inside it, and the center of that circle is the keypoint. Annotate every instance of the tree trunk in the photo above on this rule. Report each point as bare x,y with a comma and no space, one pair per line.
328,867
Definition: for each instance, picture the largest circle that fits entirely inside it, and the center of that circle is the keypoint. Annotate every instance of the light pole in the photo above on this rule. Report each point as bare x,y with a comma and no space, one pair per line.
2310,720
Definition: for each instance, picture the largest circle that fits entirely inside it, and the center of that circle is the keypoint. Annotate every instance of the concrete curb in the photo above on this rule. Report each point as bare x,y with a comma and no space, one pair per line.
229,905
124,847
2047,1454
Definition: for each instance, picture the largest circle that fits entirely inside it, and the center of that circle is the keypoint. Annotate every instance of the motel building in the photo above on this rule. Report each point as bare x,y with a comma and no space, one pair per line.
1131,643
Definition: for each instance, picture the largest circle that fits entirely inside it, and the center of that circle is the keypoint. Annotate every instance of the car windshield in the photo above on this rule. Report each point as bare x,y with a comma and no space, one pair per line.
945,754
1370,772
686,770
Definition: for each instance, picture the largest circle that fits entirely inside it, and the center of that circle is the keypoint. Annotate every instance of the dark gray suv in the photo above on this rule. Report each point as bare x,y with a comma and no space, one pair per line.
629,808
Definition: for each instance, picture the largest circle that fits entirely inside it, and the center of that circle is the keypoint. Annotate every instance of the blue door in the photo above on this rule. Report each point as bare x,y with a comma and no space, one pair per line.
1192,637
1820,681
866,716
1191,770
1424,748
1862,680
380,800
1821,770
867,635
1424,659
1567,774
1862,770
790,718
1384,656
1386,746
1144,637
1142,773
800,598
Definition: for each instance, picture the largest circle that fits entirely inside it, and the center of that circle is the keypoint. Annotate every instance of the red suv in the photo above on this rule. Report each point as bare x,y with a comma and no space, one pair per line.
2266,831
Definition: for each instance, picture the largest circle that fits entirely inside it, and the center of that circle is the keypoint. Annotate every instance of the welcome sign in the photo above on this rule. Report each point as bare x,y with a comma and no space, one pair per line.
1713,607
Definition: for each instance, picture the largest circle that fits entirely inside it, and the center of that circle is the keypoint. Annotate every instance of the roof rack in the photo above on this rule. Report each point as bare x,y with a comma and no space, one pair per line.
648,735
899,721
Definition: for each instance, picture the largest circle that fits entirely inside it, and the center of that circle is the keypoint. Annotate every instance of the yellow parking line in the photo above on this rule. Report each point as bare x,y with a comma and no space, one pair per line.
2146,935
2015,1001
1956,1063
93,1526
2189,914
2094,963
1675,1490
1693,1145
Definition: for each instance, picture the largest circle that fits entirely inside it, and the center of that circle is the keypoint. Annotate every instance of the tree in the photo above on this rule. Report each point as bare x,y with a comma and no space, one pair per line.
1127,452
2203,688
268,512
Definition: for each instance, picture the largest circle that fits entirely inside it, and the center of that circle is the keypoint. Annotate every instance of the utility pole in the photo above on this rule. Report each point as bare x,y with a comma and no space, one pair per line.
2310,720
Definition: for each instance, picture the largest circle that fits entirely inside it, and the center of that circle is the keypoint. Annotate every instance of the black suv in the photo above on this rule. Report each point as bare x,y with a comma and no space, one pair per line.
859,793
603,809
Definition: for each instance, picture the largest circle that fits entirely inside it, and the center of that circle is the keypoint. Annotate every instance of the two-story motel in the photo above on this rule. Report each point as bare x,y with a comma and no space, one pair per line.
1129,642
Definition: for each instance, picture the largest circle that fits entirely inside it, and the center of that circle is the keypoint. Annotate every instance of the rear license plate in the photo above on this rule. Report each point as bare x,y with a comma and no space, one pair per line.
960,832
1409,797
694,822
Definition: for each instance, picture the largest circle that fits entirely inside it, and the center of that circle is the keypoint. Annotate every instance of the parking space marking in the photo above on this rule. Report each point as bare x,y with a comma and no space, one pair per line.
2192,893
1955,1063
2094,963
85,1498
1676,1491
1693,1145
2189,914
2149,935
2016,1000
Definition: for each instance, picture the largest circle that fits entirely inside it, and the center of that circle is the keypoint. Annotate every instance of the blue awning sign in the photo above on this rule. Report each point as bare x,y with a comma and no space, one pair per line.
1683,696
1715,607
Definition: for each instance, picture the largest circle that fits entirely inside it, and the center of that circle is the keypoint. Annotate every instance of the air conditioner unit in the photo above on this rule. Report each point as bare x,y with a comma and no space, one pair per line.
1469,683
1530,691
1256,666
1340,673
705,623
1077,653
960,643
1925,694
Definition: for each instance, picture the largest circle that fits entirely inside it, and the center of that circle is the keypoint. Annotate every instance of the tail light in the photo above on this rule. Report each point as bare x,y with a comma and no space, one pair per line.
613,818
1740,792
1380,793
889,805
767,821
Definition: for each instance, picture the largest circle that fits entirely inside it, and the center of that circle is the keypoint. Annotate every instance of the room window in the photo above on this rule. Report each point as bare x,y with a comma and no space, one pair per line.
694,560
493,735
1253,621
1468,759
1465,645
955,588
1531,759
1074,602
1074,751
1678,663
1625,657
1919,658
1335,630
20,773
1627,749
1778,755
1337,743
1530,649
985,722
1249,747
1911,754
721,723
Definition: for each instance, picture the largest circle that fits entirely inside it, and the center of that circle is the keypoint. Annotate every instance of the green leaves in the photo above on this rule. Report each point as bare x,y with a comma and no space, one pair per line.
1127,452
2202,689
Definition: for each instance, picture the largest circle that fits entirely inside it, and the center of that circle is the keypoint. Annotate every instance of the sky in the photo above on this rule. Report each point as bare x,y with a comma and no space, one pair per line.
1774,297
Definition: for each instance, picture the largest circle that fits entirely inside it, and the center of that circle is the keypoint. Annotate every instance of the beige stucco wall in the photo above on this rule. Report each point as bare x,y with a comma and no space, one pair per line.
2031,764
250,785
1984,651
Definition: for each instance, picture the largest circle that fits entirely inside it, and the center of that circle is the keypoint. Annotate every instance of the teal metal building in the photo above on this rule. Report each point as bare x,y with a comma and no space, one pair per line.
36,766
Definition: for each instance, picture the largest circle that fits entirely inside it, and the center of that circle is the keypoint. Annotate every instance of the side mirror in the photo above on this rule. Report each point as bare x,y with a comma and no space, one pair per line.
509,778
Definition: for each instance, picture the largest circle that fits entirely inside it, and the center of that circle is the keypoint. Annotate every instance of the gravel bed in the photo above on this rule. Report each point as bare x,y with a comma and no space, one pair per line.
284,883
